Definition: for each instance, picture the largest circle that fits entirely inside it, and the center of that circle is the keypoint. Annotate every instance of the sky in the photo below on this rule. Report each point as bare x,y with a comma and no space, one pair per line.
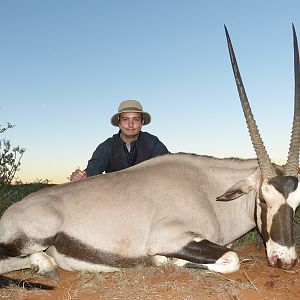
65,65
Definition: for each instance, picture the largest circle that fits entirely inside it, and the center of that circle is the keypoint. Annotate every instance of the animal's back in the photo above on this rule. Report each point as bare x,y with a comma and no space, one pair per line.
120,208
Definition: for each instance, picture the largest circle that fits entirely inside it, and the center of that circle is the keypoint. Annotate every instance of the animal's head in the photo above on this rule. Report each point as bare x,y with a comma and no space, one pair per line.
278,191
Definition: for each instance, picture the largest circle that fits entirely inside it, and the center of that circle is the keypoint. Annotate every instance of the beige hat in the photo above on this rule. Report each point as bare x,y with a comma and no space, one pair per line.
130,106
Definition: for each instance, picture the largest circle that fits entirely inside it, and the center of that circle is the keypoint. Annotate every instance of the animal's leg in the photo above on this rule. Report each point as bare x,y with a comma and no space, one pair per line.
183,247
201,253
9,264
22,252
44,264
72,264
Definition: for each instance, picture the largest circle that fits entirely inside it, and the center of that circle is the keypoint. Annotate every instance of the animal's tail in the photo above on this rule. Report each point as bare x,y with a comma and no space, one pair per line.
7,281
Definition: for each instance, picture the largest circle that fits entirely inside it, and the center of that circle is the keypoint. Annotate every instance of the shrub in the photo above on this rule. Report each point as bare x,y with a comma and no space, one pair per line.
10,158
10,194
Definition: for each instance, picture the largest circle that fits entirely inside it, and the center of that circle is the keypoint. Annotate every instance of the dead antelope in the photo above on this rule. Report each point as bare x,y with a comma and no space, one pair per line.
161,211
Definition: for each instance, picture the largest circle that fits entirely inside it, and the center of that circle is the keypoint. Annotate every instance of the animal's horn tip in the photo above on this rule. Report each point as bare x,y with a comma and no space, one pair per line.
226,31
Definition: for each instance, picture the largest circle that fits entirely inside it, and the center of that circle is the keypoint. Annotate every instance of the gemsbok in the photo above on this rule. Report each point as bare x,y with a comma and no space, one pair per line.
182,209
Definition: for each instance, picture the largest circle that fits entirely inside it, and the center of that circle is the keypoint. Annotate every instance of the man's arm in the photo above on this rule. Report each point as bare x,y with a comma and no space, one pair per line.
160,148
77,175
99,161
96,165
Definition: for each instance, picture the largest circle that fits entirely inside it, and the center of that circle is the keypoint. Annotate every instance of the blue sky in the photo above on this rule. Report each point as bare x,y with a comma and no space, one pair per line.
66,65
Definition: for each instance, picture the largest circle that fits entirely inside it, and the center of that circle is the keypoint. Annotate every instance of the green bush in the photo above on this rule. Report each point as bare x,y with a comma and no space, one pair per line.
10,194
10,158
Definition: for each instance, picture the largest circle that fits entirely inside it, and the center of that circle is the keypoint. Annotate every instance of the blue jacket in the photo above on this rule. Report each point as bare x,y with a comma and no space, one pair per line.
113,155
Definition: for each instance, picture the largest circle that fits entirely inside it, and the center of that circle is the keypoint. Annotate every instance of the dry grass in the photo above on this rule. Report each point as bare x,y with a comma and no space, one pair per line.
139,283
166,282
22,287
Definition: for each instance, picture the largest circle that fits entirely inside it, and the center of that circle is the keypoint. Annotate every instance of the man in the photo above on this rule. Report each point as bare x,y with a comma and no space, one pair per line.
128,147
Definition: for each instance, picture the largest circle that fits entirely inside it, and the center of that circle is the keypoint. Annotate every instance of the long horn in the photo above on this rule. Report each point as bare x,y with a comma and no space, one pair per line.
263,158
292,165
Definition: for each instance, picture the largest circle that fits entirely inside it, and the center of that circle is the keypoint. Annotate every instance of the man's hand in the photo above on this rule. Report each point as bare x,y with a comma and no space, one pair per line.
77,175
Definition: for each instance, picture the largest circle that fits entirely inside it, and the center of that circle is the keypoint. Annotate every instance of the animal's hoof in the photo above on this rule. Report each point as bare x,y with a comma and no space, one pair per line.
53,275
34,267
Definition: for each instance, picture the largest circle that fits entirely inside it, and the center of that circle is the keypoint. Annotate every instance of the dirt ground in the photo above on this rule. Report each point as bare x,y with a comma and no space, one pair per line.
254,280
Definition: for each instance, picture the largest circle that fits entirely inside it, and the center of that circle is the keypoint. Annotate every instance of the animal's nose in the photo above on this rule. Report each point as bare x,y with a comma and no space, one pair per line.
276,262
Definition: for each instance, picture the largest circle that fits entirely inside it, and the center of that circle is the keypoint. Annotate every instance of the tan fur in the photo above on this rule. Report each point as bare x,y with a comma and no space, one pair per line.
155,207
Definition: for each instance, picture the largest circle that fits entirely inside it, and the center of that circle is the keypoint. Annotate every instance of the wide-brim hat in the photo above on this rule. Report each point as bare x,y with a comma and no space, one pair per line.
130,106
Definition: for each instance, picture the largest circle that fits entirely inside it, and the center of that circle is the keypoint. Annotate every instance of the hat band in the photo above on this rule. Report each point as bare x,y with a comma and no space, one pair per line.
130,108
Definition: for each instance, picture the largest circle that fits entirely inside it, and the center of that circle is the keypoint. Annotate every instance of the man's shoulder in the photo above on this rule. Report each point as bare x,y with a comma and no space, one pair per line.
115,137
109,141
153,142
148,135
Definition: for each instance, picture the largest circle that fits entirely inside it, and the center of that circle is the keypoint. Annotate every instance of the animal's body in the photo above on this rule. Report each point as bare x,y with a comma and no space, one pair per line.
163,210
154,208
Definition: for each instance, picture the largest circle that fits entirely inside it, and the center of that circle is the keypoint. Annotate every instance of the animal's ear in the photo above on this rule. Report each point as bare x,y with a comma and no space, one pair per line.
236,191
242,187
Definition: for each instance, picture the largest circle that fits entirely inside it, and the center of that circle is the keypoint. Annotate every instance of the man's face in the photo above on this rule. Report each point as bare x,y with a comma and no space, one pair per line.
131,124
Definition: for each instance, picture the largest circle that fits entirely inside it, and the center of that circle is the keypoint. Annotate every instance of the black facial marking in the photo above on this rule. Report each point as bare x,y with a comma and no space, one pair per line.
203,252
284,184
263,217
281,230
282,226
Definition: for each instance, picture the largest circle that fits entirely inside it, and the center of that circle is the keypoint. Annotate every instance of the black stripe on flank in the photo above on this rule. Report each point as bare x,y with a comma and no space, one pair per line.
76,249
11,249
20,245
70,247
